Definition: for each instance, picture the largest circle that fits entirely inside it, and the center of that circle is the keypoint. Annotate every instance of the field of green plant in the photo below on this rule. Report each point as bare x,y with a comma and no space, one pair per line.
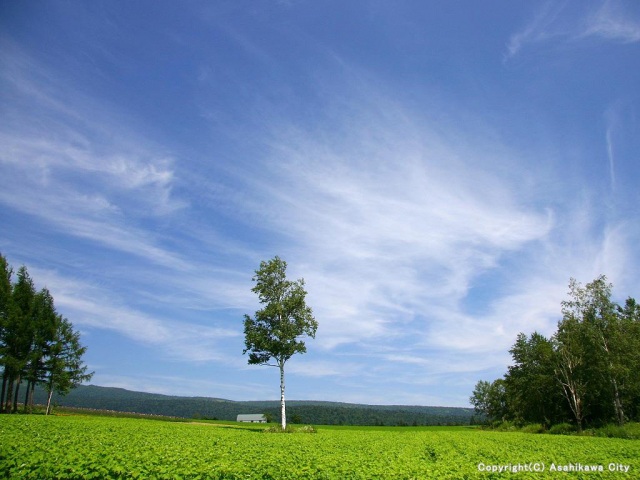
60,447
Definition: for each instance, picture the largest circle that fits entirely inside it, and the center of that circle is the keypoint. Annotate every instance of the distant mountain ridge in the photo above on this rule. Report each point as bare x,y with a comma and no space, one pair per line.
298,411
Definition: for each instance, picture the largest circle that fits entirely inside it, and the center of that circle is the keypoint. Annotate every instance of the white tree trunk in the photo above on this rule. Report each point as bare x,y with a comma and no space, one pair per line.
617,403
283,414
49,402
572,387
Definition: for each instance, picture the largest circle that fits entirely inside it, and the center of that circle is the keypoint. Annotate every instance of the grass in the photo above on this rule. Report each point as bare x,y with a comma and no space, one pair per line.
630,431
85,447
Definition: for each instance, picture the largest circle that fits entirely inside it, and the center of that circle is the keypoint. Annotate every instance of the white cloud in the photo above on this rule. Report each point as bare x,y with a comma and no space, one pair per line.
555,21
389,220
615,122
75,165
396,221
89,305
426,245
612,22
538,30
323,368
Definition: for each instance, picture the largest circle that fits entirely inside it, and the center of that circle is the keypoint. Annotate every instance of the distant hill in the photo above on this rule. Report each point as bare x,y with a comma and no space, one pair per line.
298,411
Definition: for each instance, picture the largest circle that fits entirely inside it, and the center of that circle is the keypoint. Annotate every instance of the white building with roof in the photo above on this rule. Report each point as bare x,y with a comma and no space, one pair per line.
252,418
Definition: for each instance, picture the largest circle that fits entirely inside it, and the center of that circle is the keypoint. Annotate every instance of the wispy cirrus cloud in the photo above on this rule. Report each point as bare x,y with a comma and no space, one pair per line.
76,166
555,21
426,247
619,132
90,305
426,239
84,172
612,22
388,220
537,30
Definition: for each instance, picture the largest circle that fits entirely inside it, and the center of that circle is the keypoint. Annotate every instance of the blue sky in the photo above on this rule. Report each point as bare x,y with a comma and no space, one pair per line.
435,171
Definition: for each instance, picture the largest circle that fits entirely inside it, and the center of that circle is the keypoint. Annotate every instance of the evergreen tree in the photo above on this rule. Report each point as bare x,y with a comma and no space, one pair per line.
18,336
36,344
64,366
6,308
44,319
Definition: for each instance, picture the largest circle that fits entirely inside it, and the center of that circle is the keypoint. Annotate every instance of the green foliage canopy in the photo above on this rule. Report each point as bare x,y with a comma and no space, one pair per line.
588,372
37,345
275,331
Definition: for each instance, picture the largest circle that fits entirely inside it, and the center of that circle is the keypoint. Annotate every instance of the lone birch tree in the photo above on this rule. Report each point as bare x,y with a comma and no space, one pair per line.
273,336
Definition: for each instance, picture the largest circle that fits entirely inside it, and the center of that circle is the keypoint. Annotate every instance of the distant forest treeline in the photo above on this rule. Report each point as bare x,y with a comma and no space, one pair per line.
587,373
308,412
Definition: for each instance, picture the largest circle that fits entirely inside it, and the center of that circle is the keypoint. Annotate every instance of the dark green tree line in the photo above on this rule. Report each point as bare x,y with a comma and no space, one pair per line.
587,373
37,345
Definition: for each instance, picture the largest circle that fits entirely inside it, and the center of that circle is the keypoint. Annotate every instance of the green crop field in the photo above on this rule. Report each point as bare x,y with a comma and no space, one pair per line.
39,447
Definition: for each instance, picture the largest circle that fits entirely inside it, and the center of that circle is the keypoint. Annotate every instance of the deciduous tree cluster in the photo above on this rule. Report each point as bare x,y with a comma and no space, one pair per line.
587,373
38,346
